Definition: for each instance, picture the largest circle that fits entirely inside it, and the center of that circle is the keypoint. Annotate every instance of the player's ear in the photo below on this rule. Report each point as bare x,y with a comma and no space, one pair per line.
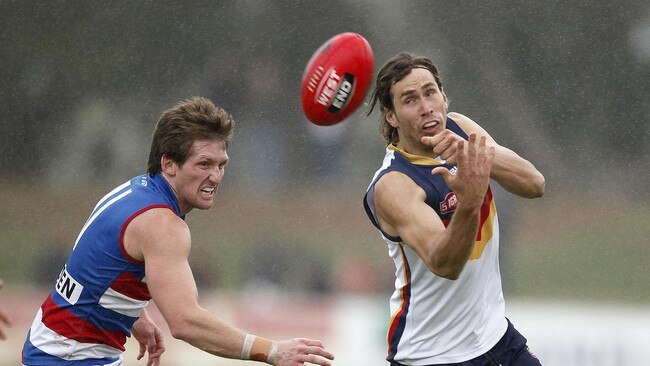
444,97
390,117
167,165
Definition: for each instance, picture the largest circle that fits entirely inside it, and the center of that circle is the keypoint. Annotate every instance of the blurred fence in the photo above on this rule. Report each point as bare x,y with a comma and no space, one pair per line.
354,328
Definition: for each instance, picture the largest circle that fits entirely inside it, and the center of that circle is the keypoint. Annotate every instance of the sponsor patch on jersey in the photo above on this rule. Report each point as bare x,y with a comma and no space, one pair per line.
69,288
449,203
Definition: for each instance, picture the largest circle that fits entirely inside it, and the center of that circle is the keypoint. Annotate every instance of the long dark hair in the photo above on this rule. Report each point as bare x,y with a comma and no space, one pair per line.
393,71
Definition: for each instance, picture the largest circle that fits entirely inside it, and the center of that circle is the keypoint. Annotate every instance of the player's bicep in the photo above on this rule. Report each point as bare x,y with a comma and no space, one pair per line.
164,240
402,211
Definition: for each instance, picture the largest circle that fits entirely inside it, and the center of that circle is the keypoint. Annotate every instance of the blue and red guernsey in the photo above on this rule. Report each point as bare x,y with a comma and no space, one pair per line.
101,290
436,320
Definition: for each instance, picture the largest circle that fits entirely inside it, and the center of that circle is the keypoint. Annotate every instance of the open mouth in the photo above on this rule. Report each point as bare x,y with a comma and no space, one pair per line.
209,191
430,127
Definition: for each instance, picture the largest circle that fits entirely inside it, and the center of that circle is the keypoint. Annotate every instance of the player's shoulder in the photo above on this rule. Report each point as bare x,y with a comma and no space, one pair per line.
159,220
394,179
467,124
164,214
396,184
461,120
156,231
157,226
456,116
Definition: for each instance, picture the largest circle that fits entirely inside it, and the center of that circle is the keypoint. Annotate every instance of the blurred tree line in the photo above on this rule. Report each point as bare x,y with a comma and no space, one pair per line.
557,80
560,79
63,61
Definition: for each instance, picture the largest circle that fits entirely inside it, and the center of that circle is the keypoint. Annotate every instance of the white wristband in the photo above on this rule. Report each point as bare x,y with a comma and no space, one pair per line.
274,349
248,344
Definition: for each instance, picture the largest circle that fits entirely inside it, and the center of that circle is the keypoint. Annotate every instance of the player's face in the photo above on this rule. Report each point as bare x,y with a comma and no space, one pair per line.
420,110
197,180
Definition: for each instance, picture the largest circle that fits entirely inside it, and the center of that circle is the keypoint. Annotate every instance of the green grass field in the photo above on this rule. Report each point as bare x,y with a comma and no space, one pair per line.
580,247
599,254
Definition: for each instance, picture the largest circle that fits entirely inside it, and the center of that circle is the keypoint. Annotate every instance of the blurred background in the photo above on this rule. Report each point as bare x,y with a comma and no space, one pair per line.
287,249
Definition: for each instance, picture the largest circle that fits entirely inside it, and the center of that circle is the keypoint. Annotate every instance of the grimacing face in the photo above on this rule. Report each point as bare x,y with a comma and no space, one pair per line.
420,109
196,181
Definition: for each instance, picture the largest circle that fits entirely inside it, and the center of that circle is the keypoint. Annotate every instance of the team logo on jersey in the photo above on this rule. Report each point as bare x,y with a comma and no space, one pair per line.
449,203
68,287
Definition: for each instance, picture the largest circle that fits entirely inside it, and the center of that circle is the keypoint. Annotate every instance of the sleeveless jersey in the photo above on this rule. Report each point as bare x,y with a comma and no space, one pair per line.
434,319
101,290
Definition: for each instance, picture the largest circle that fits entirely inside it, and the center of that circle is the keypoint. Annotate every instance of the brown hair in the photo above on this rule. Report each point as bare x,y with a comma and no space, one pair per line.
178,127
393,71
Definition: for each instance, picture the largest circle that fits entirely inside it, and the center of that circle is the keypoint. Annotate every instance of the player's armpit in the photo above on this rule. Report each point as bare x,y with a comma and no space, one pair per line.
401,208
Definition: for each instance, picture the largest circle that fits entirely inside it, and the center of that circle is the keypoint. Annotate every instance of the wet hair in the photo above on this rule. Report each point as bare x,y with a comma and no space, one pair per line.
393,71
179,127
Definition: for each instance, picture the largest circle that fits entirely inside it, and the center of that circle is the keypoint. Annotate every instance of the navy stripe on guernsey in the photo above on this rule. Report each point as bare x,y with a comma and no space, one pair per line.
101,289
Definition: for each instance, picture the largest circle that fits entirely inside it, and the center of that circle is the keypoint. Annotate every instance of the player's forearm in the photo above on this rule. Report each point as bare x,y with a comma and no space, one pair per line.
517,175
453,248
202,330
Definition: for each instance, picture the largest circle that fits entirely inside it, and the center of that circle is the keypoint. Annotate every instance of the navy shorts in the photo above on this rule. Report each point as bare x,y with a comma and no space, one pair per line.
511,350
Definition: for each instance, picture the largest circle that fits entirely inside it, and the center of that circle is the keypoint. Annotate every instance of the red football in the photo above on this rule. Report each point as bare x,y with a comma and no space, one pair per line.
336,79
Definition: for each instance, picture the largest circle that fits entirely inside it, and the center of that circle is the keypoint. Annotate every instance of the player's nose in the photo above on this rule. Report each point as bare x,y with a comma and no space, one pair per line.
426,108
216,175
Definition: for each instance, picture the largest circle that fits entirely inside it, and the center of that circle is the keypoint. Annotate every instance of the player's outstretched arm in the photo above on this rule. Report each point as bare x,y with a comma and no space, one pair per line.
162,241
514,173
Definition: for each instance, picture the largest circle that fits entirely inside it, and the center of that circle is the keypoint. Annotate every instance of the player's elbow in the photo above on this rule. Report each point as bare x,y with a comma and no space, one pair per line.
180,328
530,186
445,266
541,186
179,331
537,187
450,272
450,275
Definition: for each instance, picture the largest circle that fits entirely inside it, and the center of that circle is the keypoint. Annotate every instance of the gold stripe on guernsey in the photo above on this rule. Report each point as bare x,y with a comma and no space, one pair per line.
417,159
486,233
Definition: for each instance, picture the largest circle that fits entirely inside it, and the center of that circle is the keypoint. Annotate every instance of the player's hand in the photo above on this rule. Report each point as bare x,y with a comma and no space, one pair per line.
150,338
474,164
4,318
445,145
297,351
